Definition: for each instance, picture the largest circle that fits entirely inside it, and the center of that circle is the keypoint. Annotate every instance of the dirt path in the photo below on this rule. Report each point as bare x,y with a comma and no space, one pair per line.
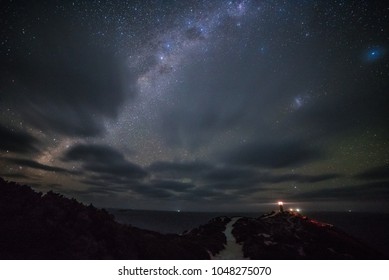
233,250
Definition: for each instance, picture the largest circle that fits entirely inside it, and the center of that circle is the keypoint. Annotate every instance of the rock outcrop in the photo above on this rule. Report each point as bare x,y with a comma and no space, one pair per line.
289,235
50,226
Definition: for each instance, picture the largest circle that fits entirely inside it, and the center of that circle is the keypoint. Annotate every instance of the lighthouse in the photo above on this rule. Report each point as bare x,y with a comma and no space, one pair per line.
281,205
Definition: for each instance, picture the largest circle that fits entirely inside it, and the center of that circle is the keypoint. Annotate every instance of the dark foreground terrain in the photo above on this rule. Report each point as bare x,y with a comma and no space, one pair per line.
293,236
50,226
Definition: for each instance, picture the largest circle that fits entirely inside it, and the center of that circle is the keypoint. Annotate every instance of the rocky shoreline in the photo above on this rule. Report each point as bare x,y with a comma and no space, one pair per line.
51,226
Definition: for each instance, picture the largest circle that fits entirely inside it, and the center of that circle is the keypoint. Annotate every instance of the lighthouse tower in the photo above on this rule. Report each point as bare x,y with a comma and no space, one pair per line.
281,205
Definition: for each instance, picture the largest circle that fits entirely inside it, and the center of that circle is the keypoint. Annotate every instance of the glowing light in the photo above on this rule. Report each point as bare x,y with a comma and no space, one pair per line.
374,53
298,210
280,203
298,102
291,209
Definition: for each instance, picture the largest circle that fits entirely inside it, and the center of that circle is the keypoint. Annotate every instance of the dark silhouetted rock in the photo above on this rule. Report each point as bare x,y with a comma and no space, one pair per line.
292,236
50,226
211,235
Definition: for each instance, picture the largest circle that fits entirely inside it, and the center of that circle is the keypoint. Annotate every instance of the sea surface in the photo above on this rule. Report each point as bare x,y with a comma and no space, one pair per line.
370,228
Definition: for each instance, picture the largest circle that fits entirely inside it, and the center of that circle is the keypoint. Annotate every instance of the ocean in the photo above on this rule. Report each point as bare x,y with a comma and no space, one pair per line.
370,228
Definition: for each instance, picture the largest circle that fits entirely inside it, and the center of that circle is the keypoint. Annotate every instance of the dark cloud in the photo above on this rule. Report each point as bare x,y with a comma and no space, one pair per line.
109,187
231,178
103,184
376,173
229,174
152,188
34,165
248,176
274,154
163,189
107,180
206,194
97,189
17,141
14,175
171,185
147,191
362,192
122,169
91,153
104,160
248,179
300,178
217,183
179,169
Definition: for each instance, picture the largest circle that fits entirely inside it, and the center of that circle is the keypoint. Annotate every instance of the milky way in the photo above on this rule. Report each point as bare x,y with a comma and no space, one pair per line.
198,105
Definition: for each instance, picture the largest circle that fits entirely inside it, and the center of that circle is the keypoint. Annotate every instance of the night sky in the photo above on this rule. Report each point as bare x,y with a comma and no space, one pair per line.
198,105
